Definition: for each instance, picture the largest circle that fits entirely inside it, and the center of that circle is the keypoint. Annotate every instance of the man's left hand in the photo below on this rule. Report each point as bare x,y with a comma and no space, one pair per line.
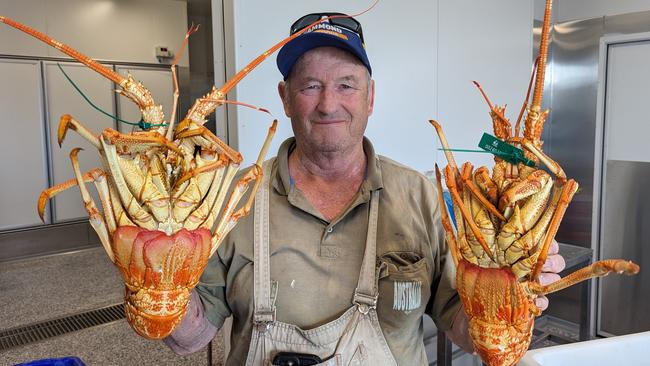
553,265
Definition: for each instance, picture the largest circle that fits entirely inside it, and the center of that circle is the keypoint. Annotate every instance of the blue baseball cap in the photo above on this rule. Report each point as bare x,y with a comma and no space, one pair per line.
341,32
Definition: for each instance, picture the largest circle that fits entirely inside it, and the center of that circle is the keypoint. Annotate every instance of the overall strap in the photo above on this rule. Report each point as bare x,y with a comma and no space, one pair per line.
262,295
365,295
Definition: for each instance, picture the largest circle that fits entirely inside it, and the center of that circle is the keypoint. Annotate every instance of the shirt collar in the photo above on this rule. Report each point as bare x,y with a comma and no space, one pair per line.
282,183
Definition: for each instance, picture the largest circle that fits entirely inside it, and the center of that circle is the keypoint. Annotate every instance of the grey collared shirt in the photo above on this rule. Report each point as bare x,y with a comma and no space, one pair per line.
316,263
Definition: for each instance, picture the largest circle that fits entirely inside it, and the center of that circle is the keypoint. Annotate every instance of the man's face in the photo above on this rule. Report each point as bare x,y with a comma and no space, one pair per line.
329,98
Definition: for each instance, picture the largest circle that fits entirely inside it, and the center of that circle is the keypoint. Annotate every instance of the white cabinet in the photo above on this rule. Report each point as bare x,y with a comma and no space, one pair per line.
23,167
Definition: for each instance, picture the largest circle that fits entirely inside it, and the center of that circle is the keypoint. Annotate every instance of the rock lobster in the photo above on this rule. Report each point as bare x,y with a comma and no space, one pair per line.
505,224
164,193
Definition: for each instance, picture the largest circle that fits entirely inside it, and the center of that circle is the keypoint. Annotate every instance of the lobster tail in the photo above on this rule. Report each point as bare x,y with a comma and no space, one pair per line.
145,313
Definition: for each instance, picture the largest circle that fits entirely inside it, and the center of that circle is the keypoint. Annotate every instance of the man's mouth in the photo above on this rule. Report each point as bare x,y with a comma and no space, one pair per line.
329,121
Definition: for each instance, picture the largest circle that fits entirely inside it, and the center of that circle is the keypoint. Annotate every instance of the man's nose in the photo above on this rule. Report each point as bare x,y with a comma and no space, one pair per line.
328,102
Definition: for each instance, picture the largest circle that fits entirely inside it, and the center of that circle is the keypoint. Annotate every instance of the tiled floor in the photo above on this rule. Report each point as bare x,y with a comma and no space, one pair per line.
36,290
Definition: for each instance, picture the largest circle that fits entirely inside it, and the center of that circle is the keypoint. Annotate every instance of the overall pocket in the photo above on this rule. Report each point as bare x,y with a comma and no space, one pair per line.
404,289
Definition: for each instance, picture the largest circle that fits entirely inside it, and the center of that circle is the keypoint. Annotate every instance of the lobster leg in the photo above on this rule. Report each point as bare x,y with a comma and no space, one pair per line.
96,219
121,216
530,240
469,183
229,219
197,189
525,217
143,188
205,138
199,215
463,245
598,269
532,185
445,145
54,190
450,238
487,185
481,218
552,165
221,190
140,216
67,122
138,143
101,184
568,190
465,213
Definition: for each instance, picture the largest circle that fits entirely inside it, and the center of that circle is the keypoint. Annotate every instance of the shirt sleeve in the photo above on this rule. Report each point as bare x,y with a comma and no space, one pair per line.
212,287
445,302
194,332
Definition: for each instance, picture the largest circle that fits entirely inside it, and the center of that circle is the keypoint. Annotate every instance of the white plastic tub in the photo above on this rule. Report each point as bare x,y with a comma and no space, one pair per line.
628,350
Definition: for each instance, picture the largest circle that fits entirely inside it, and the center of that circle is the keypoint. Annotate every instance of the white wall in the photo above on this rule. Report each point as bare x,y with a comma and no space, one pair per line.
102,29
486,41
586,9
423,54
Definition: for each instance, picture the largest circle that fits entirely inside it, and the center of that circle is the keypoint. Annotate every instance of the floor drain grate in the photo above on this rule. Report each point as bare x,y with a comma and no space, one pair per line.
22,335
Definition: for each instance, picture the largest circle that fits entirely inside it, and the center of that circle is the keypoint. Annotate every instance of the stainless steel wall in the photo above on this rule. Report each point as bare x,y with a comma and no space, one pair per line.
570,135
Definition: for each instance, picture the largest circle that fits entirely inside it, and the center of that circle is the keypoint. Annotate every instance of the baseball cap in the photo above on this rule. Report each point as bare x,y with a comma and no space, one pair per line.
335,30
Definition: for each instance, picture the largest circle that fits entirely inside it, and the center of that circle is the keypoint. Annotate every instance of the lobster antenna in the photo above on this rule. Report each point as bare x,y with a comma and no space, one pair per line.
523,107
92,64
543,54
172,118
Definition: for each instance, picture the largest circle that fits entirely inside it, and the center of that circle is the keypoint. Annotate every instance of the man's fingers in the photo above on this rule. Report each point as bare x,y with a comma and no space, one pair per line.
554,263
546,278
554,248
542,303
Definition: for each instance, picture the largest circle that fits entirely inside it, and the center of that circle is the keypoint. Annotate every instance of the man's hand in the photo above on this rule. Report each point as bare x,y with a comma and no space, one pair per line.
553,265
459,332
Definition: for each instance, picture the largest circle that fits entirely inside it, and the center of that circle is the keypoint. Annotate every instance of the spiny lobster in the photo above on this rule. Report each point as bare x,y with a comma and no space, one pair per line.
505,224
162,193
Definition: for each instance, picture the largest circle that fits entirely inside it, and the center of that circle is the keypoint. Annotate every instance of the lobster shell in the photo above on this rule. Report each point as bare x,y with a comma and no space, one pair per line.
500,326
159,272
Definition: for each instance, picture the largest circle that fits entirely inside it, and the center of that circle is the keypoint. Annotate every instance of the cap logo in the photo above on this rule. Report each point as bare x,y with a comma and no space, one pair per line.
325,26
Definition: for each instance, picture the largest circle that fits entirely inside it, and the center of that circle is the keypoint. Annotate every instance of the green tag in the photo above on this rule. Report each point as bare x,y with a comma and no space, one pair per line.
503,150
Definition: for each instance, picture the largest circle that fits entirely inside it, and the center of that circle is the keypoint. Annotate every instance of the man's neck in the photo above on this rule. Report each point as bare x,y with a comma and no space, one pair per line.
329,166
329,180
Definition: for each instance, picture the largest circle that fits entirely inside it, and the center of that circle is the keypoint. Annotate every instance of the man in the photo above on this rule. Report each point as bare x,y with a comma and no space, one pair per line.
345,250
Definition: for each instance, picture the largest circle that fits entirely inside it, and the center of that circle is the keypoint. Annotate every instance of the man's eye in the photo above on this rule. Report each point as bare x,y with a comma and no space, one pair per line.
312,87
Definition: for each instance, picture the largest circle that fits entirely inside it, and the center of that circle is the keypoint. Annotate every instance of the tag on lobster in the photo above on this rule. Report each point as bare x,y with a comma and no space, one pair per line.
503,150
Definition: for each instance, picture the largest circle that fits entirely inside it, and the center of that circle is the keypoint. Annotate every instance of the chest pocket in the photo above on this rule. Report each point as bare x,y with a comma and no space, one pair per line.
404,289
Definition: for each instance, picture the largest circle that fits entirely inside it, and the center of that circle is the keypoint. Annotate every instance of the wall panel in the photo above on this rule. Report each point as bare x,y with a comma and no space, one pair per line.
23,166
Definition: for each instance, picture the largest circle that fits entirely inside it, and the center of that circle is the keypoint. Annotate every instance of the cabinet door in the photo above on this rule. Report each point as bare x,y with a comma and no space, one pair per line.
23,163
625,200
160,84
62,98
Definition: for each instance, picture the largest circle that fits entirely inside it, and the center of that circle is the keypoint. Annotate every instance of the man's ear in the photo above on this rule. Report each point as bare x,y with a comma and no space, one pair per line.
282,90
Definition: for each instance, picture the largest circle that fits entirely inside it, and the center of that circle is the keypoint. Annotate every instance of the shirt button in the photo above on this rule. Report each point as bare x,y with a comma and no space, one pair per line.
330,229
